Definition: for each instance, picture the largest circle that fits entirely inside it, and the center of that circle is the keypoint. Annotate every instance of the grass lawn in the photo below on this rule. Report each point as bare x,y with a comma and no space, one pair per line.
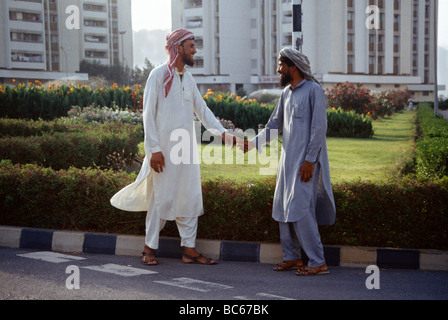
373,159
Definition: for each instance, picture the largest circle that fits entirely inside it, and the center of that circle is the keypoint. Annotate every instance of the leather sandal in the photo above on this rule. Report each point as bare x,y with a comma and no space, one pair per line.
149,259
196,260
289,265
309,271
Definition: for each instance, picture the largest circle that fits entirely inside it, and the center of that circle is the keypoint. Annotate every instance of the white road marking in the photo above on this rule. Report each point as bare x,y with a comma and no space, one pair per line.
52,257
272,296
196,285
120,270
264,296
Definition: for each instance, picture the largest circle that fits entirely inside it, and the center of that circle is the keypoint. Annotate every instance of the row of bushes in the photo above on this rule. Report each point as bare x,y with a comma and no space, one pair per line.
340,123
432,145
244,114
405,214
34,101
249,114
348,124
61,145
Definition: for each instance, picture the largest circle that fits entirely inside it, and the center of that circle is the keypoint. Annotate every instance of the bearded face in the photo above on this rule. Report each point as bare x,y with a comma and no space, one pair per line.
188,60
187,52
285,78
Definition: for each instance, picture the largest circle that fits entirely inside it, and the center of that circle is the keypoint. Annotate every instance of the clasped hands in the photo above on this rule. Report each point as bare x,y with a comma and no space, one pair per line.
157,162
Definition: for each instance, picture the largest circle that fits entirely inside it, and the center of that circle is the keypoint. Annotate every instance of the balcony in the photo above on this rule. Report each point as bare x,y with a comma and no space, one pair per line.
95,14
23,60
27,5
193,8
194,23
29,46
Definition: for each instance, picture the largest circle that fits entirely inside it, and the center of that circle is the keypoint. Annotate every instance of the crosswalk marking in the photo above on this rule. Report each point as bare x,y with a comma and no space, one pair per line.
52,257
196,285
120,270
128,271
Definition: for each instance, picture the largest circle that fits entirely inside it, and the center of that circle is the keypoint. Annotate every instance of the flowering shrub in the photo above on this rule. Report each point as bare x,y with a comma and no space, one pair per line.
100,114
34,101
391,101
350,97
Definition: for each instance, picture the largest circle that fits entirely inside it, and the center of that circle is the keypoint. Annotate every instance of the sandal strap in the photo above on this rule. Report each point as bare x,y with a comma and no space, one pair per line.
289,265
195,259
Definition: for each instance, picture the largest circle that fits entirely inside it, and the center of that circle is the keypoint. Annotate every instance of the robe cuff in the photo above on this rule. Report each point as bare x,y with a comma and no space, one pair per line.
155,149
312,158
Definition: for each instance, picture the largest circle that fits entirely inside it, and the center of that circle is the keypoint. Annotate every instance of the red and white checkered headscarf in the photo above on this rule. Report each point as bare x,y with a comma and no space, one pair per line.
174,39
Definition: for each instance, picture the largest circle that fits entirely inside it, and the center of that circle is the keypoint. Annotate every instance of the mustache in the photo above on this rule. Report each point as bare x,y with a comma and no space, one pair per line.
285,79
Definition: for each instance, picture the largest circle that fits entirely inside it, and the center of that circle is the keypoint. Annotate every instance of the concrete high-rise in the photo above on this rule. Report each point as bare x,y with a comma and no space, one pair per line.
47,39
384,44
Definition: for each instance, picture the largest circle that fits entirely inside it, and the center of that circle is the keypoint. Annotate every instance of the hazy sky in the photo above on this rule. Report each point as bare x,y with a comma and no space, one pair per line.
152,14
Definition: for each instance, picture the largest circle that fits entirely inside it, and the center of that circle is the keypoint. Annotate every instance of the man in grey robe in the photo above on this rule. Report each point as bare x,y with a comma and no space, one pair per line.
303,197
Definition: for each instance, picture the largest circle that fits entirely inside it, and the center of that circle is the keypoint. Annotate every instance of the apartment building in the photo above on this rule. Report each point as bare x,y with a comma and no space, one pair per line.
239,40
47,39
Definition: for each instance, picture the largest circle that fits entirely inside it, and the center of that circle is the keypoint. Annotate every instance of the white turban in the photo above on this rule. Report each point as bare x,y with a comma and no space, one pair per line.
301,61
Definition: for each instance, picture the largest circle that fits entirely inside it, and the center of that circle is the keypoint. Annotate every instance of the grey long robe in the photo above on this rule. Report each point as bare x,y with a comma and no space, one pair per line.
301,116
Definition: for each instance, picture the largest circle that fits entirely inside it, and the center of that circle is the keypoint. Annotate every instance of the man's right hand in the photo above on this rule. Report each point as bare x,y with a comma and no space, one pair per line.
157,162
245,145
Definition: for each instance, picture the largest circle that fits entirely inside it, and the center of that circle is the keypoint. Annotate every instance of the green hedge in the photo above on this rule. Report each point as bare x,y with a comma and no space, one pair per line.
348,124
244,114
33,101
73,199
405,214
432,145
252,114
60,146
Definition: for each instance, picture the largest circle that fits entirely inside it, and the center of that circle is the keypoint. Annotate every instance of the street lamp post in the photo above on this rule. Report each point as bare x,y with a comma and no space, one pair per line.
436,86
66,62
297,34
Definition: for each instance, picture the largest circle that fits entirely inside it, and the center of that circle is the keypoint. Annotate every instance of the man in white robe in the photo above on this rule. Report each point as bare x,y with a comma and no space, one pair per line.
169,185
303,197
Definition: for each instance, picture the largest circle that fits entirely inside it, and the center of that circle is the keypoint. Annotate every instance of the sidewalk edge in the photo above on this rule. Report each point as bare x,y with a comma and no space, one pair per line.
131,245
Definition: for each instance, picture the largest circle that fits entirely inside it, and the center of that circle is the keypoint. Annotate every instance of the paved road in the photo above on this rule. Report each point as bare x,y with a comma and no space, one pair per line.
31,274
